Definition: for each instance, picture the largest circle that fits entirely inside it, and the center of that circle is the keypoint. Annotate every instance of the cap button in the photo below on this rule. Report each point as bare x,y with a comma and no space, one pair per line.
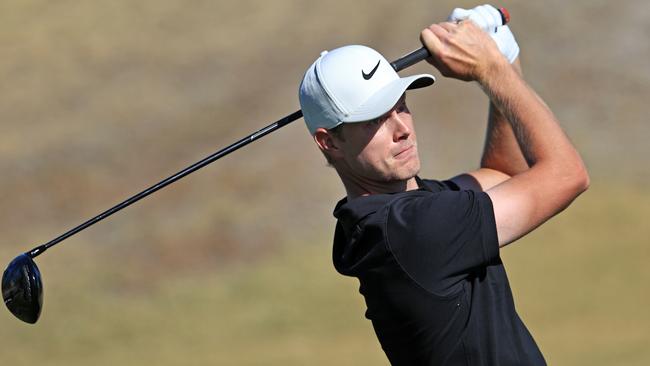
323,53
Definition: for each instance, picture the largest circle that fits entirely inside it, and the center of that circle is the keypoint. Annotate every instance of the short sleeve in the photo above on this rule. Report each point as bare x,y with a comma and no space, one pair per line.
441,238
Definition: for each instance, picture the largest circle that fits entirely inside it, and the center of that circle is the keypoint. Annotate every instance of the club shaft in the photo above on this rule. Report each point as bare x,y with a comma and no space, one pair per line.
192,168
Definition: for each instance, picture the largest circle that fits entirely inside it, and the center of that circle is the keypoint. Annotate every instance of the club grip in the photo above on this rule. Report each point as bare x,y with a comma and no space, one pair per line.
422,53
410,59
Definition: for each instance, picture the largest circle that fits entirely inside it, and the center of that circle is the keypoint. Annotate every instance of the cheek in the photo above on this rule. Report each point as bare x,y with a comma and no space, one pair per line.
368,149
374,155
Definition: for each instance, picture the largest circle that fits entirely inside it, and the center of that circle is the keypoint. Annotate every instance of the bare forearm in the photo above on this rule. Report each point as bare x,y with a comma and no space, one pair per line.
501,151
532,124
557,174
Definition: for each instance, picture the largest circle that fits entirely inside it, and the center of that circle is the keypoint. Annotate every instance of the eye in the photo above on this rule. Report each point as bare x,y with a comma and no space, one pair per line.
376,121
400,108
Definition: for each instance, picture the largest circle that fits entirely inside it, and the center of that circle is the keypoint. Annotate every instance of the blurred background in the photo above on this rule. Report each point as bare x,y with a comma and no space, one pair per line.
232,265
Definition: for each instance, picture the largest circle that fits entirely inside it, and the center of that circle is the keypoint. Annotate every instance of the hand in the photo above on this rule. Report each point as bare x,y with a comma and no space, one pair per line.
461,50
488,18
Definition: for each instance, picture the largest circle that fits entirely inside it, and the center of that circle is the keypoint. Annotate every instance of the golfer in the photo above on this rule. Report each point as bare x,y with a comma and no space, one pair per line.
426,252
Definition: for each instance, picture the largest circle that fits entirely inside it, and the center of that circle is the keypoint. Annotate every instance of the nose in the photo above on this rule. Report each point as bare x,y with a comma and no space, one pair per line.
401,126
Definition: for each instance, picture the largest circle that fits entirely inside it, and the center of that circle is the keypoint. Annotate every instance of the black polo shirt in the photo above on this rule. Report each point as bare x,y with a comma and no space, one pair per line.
429,268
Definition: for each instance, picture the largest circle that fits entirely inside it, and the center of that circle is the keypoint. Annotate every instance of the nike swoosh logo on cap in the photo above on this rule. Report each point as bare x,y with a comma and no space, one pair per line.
369,75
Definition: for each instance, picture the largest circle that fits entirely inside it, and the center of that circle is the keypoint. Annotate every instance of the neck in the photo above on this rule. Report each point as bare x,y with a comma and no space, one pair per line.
355,187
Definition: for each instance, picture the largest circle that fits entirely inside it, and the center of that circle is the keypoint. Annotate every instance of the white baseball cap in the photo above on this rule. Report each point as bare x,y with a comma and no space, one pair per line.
352,84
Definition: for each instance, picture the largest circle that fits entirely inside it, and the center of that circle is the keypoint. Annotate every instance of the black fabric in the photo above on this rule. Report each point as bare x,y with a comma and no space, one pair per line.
429,269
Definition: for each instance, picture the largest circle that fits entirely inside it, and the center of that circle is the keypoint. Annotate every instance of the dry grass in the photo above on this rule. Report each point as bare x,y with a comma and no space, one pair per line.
231,265
578,285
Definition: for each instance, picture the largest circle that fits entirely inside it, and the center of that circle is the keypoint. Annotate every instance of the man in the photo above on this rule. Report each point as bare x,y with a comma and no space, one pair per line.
427,252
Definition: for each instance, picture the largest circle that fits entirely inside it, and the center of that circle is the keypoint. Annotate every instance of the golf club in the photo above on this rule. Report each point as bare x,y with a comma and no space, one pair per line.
22,285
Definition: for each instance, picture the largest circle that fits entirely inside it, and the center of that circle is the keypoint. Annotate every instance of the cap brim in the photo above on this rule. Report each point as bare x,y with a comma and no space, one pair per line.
383,100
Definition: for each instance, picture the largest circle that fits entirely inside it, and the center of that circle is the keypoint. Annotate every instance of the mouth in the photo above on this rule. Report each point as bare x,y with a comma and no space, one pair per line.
405,152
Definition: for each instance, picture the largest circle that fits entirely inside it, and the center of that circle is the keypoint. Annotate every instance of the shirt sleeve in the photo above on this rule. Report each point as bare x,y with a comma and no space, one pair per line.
441,238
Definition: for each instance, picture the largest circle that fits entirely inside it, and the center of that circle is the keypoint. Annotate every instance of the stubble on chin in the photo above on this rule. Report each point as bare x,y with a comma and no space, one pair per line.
405,171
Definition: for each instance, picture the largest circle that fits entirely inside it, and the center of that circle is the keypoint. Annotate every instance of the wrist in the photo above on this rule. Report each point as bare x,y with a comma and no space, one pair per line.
497,68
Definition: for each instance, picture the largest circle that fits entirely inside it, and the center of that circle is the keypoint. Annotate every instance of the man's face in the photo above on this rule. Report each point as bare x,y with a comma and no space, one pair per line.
380,151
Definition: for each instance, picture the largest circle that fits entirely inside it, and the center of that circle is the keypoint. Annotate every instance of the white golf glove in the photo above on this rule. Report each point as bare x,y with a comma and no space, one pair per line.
488,18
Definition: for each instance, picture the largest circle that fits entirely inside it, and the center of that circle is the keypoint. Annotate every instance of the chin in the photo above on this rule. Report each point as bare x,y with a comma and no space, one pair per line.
405,173
410,170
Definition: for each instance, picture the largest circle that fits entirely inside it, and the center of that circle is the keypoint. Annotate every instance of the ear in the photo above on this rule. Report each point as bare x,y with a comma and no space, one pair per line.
328,143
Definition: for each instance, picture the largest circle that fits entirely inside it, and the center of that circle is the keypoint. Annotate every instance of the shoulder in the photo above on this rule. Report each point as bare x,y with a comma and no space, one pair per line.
439,237
431,208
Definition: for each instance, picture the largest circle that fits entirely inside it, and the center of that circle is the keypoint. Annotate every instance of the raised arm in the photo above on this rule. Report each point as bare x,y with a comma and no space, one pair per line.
501,151
557,174
501,158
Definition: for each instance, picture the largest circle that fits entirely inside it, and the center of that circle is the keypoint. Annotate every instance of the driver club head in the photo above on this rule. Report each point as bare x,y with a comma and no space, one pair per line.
22,289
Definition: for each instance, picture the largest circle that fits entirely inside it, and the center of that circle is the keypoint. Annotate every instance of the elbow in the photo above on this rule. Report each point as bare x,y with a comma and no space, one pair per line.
571,184
571,179
585,182
579,179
